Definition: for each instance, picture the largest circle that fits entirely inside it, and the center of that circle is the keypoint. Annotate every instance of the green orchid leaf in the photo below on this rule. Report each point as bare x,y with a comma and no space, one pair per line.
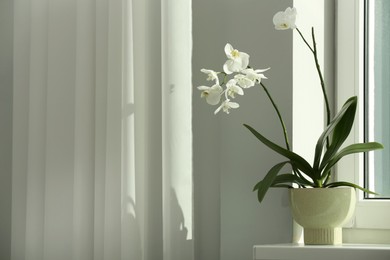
348,184
351,149
282,186
291,178
270,175
340,134
295,159
340,124
263,186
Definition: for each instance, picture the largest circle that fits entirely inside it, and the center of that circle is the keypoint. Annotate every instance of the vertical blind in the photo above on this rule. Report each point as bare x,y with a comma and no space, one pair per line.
102,130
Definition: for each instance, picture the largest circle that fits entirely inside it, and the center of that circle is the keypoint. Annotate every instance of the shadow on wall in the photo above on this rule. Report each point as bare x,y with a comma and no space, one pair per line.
131,231
181,245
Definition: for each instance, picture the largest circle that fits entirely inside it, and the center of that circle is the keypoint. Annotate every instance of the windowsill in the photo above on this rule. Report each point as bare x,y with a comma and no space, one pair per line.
304,252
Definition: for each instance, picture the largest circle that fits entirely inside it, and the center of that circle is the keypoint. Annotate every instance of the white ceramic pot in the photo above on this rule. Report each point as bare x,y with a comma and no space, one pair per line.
322,212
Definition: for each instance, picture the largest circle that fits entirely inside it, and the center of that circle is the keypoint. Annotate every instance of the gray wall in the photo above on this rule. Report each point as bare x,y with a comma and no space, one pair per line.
228,160
6,49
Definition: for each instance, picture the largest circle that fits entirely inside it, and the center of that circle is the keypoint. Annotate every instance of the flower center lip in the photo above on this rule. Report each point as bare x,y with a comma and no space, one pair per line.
235,53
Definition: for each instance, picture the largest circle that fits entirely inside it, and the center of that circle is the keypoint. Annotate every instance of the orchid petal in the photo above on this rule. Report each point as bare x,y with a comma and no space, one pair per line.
285,20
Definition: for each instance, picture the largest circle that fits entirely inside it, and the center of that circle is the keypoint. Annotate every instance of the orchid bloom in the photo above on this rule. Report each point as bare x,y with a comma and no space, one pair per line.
243,81
212,75
285,20
212,94
232,89
255,75
237,60
243,77
226,105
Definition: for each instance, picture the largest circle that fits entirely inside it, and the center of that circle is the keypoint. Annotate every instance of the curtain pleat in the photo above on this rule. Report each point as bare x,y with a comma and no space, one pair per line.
36,163
101,58
21,66
59,127
84,139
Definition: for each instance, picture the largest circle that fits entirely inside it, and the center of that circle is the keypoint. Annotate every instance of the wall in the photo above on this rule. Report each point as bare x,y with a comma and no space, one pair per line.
228,160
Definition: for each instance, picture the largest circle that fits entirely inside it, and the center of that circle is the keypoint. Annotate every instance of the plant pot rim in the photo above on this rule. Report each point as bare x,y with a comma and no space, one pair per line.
323,188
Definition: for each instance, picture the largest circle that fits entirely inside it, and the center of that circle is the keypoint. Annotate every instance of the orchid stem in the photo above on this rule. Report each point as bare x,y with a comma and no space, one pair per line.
303,38
296,172
323,88
294,169
321,78
279,116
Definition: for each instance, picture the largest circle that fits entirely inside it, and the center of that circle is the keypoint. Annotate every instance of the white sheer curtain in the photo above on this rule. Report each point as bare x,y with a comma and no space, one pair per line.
102,130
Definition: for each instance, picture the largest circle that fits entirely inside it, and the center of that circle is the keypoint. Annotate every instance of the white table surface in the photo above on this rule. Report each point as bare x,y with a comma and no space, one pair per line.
303,252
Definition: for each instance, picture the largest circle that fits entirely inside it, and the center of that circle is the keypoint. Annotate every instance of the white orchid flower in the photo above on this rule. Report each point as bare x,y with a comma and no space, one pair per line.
232,88
226,105
212,94
243,81
254,75
212,75
285,20
237,60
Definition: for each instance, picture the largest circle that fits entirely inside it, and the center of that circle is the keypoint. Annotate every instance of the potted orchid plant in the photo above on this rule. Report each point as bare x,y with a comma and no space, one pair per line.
238,76
327,150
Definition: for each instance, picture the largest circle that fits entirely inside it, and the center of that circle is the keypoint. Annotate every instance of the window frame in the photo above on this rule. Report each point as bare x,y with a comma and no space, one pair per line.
370,213
369,28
